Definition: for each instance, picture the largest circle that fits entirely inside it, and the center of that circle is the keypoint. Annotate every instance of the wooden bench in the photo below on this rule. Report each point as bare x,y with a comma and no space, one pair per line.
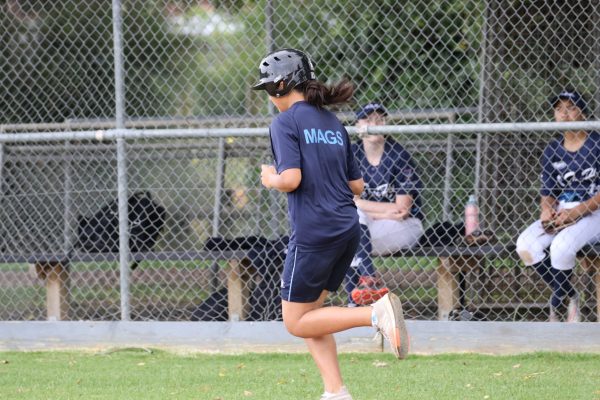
455,261
53,269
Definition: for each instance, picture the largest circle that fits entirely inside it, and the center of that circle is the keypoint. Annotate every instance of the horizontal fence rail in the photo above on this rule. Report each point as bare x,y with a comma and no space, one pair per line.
207,241
113,134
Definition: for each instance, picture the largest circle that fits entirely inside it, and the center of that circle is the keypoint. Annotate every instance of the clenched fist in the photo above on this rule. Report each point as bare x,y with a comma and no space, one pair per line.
266,171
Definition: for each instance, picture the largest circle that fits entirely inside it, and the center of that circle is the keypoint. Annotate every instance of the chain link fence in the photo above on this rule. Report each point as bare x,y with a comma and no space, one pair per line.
189,65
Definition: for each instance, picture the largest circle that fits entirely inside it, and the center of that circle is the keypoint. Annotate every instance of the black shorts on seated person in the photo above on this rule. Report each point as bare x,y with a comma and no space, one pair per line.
307,273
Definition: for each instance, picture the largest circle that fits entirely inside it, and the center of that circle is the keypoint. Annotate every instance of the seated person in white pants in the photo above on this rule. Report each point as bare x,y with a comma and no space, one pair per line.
388,209
569,217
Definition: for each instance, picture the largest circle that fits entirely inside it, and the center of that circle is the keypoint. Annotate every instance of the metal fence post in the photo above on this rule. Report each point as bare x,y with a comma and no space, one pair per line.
273,208
68,200
448,178
121,161
481,101
596,47
270,42
216,220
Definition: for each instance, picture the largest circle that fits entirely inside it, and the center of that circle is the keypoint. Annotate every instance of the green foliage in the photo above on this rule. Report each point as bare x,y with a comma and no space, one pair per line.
56,59
59,60
410,55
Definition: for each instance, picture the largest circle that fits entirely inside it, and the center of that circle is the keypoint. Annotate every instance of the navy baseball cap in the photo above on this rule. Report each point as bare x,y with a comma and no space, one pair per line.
573,96
370,108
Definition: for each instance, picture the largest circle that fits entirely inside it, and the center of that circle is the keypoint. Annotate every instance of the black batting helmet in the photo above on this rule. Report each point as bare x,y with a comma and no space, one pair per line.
290,66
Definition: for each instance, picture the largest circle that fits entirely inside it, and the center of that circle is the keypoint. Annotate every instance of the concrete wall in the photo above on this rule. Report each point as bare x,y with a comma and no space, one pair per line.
427,337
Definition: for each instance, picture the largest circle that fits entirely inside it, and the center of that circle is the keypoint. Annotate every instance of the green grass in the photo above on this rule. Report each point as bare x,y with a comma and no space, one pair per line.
391,263
133,374
149,265
406,263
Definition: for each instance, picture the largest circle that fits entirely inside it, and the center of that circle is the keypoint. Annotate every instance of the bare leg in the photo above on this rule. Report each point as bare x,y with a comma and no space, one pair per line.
316,325
310,320
324,352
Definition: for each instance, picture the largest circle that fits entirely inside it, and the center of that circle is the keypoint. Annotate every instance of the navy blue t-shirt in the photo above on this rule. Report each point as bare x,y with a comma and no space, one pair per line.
571,176
394,175
321,210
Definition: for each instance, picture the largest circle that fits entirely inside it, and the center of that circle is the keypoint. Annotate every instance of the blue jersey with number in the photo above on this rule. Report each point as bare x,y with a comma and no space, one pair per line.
571,176
394,175
321,210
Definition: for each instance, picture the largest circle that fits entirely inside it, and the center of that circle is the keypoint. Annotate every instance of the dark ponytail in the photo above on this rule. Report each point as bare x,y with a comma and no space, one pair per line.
318,94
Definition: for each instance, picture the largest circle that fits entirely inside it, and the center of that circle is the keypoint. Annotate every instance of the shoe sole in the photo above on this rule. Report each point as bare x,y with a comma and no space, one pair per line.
344,397
394,305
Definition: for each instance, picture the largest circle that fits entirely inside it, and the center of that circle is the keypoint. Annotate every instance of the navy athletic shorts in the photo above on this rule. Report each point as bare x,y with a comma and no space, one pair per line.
307,273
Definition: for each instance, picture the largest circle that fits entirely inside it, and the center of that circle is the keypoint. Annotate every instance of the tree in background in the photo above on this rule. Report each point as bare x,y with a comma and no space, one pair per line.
58,62
197,58
405,54
56,59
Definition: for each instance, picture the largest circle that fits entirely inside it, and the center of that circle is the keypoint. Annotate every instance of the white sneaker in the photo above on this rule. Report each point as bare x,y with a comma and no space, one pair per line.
573,313
389,320
341,395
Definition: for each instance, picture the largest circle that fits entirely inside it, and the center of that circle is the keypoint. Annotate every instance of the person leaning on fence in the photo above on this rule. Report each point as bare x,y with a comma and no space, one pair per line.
389,207
569,217
315,166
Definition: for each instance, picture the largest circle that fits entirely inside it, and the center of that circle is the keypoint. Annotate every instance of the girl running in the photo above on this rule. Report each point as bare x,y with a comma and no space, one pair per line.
315,166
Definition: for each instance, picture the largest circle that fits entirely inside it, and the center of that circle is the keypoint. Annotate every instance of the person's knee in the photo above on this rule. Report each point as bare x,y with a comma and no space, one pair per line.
562,254
290,324
525,256
294,327
525,250
293,324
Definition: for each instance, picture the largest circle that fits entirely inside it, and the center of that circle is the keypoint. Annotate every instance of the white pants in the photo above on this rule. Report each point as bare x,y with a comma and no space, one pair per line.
389,236
564,245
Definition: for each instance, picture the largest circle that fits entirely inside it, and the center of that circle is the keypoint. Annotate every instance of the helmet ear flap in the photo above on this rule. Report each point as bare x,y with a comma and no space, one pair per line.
277,89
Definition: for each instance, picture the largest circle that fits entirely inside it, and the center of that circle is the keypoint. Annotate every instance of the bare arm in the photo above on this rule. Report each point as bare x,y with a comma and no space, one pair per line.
590,205
547,206
398,210
568,216
404,203
286,182
357,186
